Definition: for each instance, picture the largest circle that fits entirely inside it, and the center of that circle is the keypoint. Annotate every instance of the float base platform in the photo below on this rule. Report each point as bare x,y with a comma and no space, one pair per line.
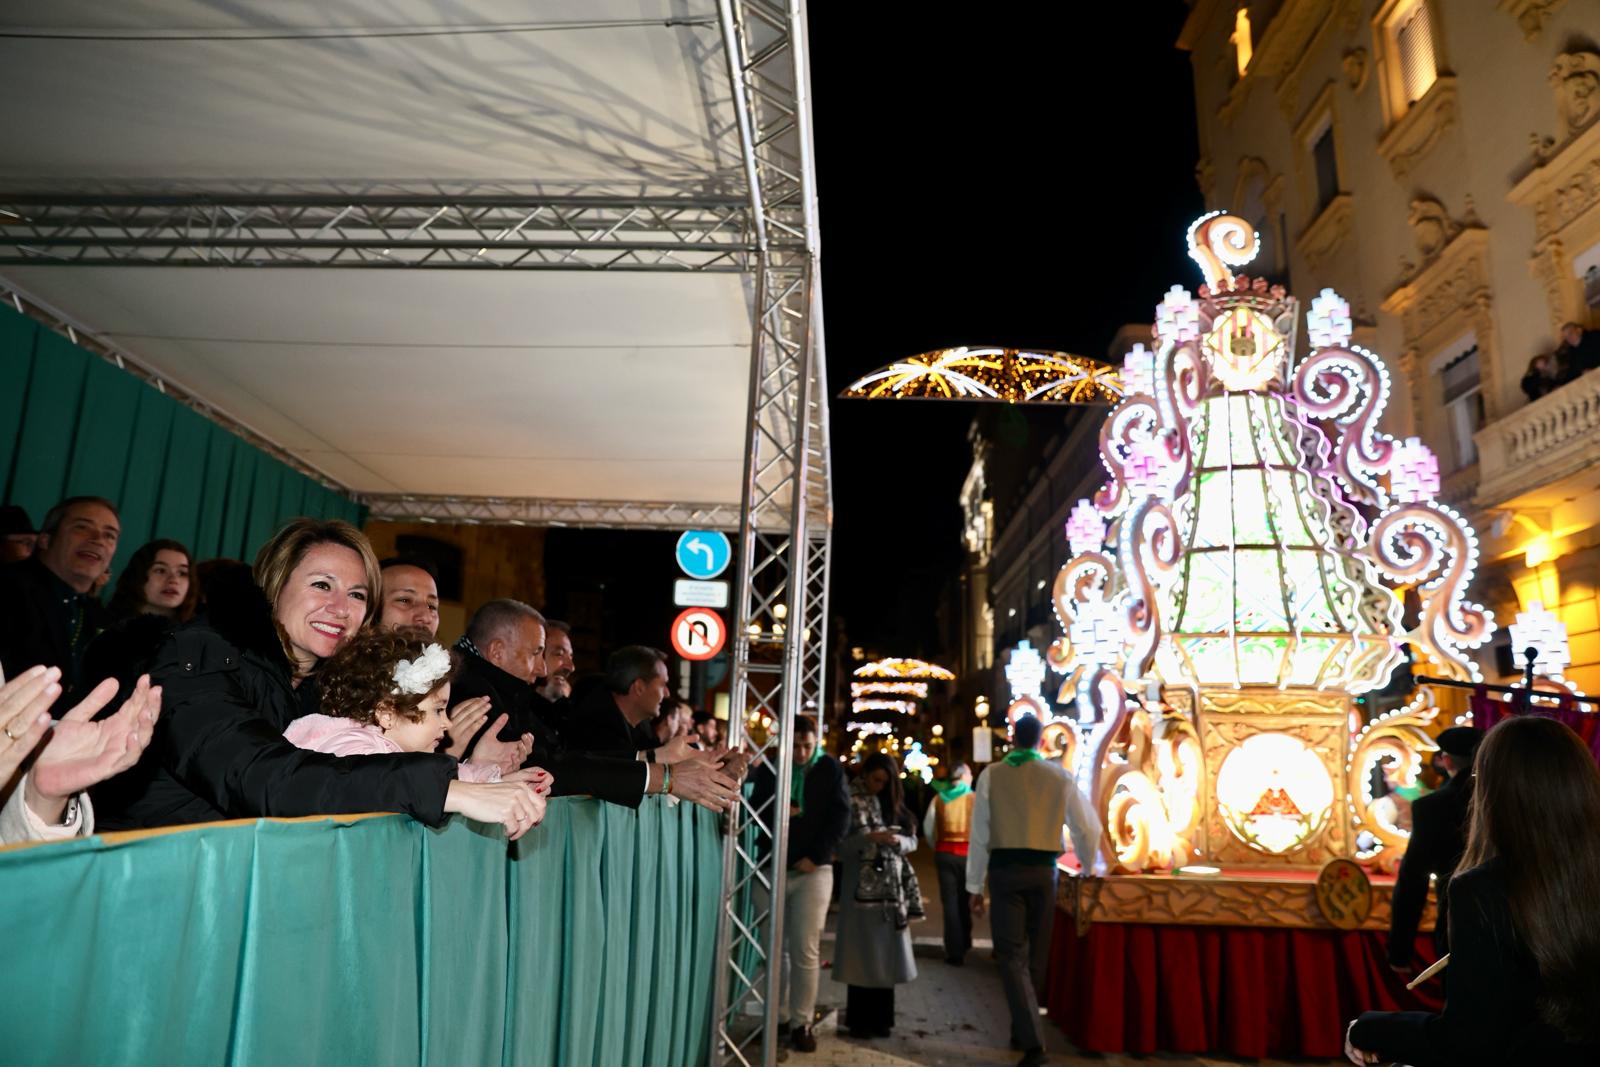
1239,963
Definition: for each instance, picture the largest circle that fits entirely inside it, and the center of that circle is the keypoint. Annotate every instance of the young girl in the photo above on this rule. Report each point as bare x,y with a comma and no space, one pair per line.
387,691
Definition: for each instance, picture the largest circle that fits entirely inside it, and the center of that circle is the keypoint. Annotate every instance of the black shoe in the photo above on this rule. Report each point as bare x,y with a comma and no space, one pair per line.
882,1031
861,1033
803,1040
783,1031
1032,1058
955,961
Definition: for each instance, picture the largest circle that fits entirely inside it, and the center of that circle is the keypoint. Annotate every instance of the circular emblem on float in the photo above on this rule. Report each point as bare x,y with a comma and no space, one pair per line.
1274,793
1344,894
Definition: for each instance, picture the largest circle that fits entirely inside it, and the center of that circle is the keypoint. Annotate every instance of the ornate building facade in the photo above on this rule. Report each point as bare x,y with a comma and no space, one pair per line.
1439,165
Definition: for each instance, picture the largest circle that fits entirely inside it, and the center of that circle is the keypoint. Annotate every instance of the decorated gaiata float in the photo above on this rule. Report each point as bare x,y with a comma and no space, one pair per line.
1232,590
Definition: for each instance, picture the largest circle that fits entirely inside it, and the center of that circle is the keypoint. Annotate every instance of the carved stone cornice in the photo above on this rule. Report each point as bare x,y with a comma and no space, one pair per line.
1455,280
1564,195
1328,233
1205,175
1288,36
1530,14
1413,135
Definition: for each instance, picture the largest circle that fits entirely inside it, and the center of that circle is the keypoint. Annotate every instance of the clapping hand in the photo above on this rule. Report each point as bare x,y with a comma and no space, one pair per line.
675,751
25,716
735,763
508,755
81,753
465,718
1355,1055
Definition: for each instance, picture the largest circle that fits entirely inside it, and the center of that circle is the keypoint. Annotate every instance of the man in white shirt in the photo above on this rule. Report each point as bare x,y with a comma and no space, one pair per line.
1022,805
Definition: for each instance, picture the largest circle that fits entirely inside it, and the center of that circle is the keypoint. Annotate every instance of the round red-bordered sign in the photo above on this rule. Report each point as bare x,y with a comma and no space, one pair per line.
698,634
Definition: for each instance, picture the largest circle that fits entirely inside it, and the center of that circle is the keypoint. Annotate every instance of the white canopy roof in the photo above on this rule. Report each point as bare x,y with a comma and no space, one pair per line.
532,384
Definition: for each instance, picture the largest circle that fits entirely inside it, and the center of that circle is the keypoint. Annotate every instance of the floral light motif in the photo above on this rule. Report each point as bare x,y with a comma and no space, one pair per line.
1414,473
1024,671
1542,631
1139,371
1086,530
1328,321
1178,317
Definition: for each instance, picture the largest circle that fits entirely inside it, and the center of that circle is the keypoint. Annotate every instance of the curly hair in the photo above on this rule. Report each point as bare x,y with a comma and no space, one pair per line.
359,678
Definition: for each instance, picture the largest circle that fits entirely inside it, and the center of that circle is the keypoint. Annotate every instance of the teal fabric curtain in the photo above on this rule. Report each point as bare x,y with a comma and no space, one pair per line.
589,943
72,424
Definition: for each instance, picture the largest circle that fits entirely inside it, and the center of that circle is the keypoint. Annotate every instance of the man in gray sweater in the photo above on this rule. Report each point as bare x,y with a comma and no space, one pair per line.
1022,805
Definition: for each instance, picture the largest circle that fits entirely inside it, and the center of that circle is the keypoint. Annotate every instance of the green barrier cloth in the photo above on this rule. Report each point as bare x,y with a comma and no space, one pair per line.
588,943
72,424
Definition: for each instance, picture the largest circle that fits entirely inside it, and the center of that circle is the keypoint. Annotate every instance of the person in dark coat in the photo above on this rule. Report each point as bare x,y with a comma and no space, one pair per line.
235,678
50,612
17,535
155,593
819,816
1524,965
612,717
1438,837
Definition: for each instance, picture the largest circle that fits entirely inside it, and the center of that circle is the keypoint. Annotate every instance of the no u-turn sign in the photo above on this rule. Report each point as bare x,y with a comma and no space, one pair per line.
698,634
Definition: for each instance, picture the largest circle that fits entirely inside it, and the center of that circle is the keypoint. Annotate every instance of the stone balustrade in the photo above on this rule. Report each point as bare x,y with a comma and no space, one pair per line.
1550,438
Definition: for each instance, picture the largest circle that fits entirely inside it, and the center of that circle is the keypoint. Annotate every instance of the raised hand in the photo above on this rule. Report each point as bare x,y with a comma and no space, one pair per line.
675,751
701,781
735,763
508,755
25,716
81,753
465,718
513,805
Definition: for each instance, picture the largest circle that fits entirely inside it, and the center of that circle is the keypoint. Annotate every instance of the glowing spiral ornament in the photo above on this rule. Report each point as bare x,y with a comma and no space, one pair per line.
1218,241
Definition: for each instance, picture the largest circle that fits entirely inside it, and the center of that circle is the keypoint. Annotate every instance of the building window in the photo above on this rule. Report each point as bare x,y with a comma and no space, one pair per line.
1325,168
1243,47
1413,38
1463,405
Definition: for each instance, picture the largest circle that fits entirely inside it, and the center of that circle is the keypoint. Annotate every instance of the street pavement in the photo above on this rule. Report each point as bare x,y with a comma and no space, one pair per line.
955,1016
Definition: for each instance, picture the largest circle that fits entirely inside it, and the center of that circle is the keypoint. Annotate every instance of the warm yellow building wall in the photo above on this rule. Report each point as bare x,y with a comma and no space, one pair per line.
496,561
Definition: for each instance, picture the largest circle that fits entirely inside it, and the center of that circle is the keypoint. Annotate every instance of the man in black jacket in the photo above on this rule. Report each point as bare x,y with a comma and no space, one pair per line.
610,717
1438,838
819,815
502,656
50,612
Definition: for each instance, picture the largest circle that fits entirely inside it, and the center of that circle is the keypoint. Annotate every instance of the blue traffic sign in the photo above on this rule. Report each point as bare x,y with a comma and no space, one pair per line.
704,553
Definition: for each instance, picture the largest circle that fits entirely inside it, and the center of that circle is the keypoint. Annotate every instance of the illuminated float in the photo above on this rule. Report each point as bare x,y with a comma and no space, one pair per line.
1232,586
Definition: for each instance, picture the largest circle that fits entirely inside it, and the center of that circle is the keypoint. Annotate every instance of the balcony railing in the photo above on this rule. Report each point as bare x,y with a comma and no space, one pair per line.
1542,442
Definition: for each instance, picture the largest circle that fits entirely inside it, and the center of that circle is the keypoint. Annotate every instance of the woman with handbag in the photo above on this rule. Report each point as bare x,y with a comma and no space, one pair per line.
878,899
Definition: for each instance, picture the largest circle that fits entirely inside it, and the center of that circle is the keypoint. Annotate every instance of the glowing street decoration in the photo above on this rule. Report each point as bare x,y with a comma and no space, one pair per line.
1227,554
869,728
1006,374
900,707
1024,671
903,668
1542,631
918,690
917,762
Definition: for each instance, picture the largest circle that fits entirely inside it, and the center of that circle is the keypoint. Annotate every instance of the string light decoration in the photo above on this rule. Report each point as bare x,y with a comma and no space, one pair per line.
868,729
903,668
1244,551
899,707
917,690
1011,375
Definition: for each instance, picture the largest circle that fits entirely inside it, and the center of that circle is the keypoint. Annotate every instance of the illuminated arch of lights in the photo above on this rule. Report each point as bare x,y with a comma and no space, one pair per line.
902,707
1012,375
903,668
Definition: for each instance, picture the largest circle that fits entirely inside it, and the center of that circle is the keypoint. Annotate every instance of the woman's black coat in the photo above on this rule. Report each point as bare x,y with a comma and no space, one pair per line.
219,751
1490,1012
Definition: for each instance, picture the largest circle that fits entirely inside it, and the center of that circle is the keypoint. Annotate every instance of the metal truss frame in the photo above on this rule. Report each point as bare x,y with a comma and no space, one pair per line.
531,511
779,631
573,229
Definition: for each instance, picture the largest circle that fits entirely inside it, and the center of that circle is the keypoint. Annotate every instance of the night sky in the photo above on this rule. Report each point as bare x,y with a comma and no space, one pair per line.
982,179
1013,181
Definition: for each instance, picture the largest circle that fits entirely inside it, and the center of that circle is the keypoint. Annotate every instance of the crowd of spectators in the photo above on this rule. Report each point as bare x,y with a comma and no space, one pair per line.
308,683
1576,355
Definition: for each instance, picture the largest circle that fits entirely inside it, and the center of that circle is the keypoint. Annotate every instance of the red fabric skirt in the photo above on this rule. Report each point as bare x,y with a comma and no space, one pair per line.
1253,992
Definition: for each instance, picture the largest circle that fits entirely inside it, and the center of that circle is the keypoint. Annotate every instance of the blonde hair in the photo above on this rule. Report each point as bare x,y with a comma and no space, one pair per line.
282,554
